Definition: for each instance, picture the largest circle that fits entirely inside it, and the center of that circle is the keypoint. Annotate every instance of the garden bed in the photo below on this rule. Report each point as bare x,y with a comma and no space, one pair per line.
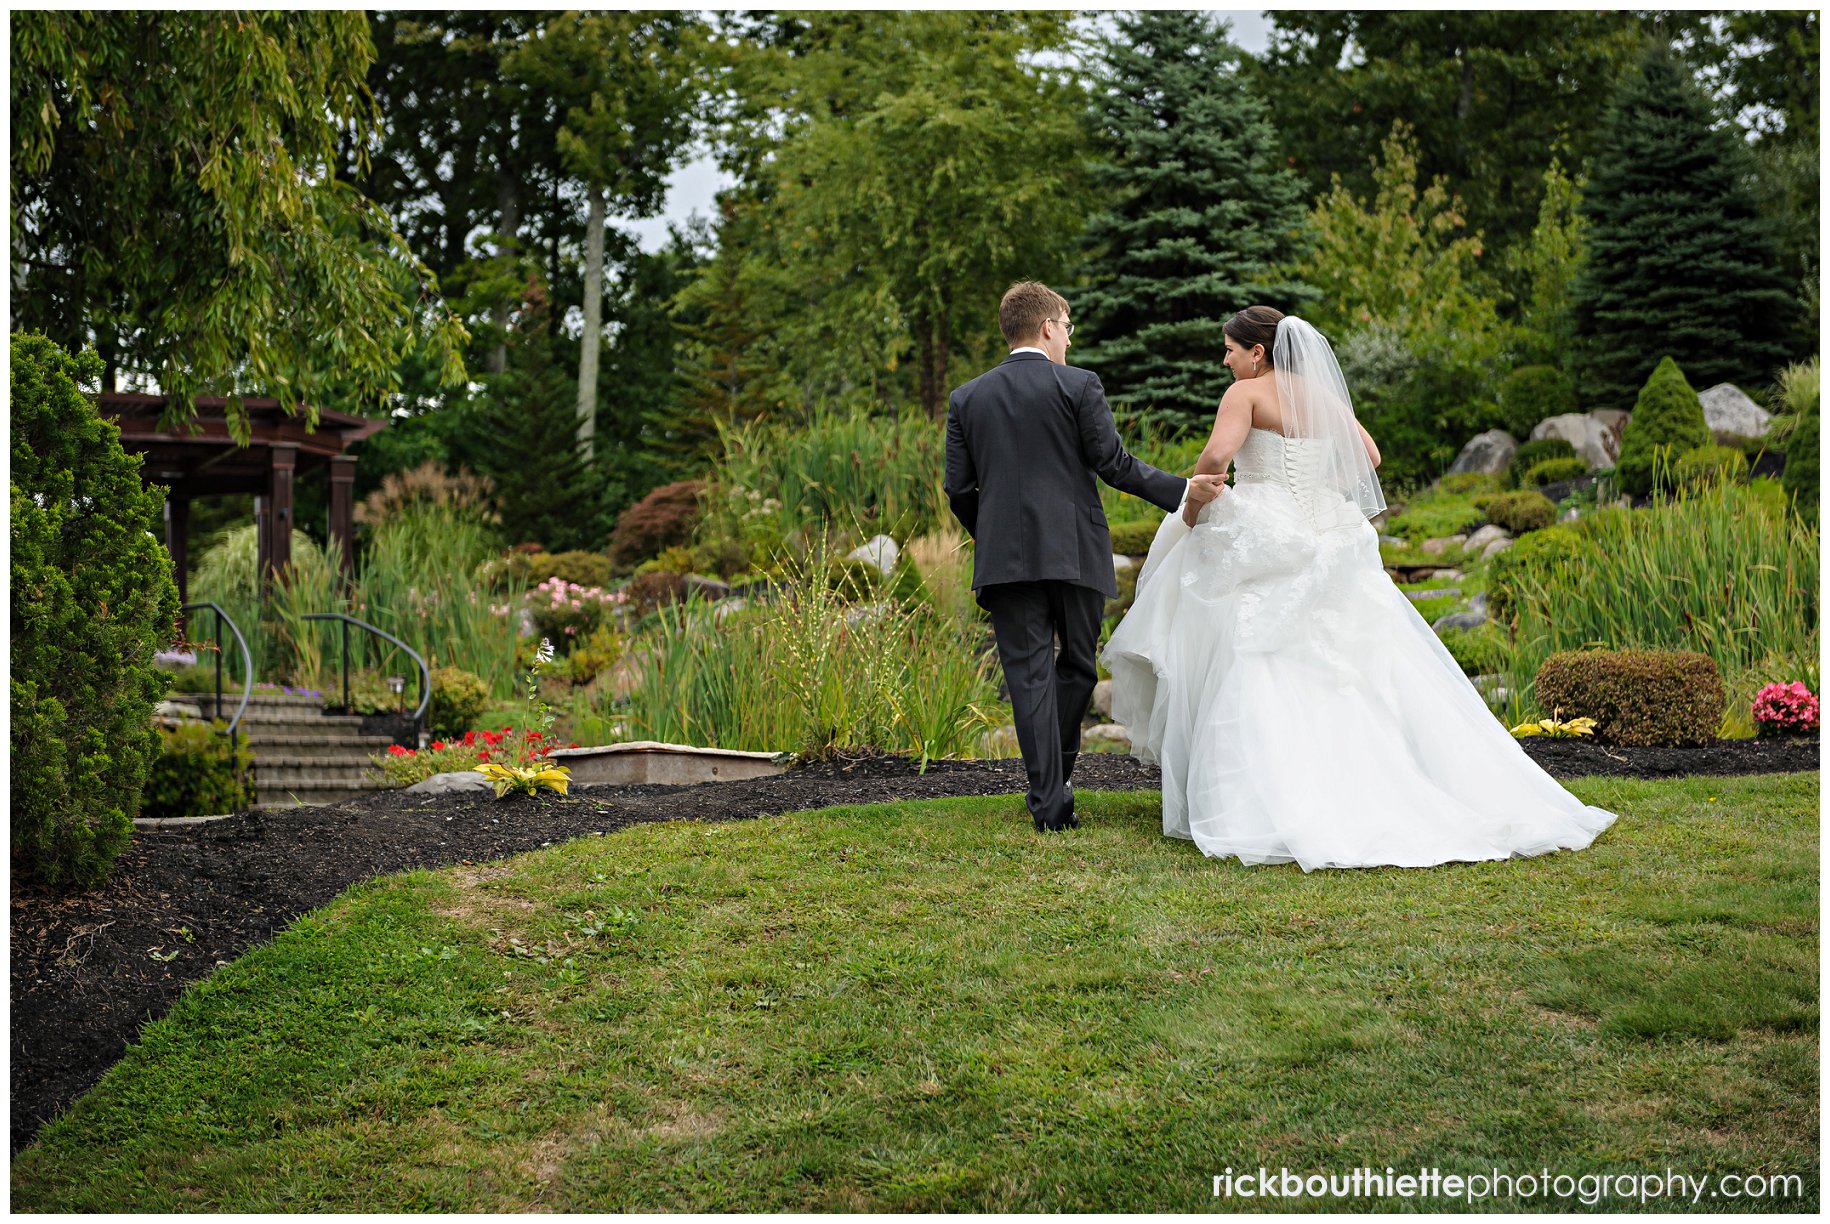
87,971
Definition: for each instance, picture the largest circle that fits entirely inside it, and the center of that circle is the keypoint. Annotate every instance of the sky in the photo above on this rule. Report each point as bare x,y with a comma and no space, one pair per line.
694,187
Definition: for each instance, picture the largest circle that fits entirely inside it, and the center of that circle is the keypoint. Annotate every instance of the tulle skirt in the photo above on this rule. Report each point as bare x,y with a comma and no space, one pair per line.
1302,711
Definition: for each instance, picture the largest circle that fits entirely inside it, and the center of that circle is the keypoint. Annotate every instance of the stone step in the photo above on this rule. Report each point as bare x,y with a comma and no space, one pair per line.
314,773
258,700
307,718
268,742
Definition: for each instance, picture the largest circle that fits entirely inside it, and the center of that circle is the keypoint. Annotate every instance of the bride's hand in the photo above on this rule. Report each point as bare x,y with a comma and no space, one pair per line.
1201,490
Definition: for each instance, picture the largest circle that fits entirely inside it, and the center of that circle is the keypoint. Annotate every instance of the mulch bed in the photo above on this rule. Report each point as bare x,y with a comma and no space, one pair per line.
83,975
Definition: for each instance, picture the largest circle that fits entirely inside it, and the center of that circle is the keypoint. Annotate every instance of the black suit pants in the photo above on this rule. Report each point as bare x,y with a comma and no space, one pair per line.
1049,693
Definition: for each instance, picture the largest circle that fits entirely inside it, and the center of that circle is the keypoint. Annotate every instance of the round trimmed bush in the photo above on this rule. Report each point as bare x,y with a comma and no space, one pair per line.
1668,698
458,698
1550,471
1520,512
1532,453
1133,539
92,601
1707,464
1667,422
586,569
1534,393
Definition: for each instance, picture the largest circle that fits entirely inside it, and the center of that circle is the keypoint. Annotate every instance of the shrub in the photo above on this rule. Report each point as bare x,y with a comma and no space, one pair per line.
92,602
1800,477
1460,484
428,485
1531,560
1520,512
1133,539
1533,393
1667,421
1552,471
1636,697
1532,453
655,589
666,517
1785,709
589,658
1478,652
585,569
458,698
565,612
1707,463
199,772
405,766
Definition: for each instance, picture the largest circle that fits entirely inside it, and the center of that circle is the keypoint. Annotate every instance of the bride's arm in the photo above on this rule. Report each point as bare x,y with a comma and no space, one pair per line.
1372,449
1231,423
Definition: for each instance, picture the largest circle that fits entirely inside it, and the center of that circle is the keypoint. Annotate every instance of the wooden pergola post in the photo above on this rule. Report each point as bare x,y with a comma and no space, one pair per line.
177,531
284,460
342,512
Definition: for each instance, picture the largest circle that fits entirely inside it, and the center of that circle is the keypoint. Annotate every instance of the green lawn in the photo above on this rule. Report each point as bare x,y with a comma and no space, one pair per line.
928,1007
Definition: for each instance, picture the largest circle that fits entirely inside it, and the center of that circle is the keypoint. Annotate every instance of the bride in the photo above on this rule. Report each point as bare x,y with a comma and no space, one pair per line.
1300,708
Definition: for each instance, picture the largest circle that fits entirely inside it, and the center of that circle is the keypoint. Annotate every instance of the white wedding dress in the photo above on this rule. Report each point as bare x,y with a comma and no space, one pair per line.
1300,708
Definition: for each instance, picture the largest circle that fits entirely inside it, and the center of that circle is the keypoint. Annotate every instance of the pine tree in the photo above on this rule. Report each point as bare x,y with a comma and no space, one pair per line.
1666,424
1679,259
1202,211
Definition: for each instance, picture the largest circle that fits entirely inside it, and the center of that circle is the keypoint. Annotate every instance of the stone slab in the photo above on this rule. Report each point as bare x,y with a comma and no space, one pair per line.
648,761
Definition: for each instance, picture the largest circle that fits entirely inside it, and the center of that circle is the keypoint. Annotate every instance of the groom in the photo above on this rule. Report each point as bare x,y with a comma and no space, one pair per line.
1024,443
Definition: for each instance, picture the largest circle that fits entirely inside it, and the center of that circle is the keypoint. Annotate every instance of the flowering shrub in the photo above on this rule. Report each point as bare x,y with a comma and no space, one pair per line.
1785,709
566,612
405,766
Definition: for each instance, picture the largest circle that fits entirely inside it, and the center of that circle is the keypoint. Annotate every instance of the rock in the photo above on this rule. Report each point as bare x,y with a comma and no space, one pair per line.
1394,541
1433,593
1449,575
451,783
1121,563
1440,544
1570,515
1459,620
1102,698
1594,442
1478,604
709,589
1485,536
867,611
1498,546
1487,452
1728,409
880,551
1612,419
1106,733
727,607
1000,742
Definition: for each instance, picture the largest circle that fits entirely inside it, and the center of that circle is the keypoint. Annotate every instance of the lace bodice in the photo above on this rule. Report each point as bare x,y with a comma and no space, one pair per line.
1267,457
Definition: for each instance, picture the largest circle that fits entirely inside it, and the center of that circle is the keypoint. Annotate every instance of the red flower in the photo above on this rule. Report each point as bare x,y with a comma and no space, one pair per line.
533,735
438,745
470,738
397,750
483,756
573,744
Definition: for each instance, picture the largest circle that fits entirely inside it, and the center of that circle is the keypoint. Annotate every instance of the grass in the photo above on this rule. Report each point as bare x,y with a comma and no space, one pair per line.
924,1007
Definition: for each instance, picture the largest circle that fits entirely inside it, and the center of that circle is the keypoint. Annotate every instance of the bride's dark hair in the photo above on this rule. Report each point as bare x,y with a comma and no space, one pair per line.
1255,325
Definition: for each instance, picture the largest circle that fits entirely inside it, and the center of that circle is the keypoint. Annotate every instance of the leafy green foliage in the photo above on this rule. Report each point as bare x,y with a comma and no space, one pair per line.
1667,422
199,772
173,194
458,698
1530,454
1552,471
1201,209
92,600
1520,512
1707,463
1534,393
665,518
1679,259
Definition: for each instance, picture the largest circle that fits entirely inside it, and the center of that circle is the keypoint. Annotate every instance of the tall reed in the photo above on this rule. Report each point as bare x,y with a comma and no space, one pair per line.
1723,569
810,673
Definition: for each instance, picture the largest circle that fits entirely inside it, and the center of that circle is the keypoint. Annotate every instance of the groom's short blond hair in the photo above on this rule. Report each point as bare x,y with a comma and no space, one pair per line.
1025,305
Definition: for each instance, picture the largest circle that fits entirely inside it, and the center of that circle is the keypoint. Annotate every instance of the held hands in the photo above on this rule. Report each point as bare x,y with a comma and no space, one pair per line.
1201,490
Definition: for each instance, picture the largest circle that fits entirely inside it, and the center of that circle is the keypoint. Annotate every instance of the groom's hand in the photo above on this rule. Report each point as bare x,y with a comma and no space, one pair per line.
1201,490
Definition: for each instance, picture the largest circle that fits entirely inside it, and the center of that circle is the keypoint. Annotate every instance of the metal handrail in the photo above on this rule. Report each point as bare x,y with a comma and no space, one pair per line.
425,674
247,661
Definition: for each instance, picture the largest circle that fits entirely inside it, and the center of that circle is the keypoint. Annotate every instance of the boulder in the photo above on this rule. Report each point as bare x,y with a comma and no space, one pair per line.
1498,546
1449,575
451,783
880,551
1440,544
1485,536
1593,441
709,589
1487,452
728,607
1459,620
1727,409
1106,733
1394,541
1478,604
1102,698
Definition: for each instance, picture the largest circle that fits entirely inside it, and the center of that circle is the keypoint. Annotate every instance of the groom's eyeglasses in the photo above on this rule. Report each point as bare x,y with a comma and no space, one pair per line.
1066,328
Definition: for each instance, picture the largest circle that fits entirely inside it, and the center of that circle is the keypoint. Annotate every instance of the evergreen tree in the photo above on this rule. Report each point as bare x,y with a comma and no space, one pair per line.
1679,259
1667,423
1202,210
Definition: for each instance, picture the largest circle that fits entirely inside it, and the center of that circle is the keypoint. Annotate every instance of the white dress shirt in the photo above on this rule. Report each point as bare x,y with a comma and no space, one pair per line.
1028,348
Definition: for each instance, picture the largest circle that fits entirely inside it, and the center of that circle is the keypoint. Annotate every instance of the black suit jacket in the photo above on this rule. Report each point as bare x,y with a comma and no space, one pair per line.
1024,443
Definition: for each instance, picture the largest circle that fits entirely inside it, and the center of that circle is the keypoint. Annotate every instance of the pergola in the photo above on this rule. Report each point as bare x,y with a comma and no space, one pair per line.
200,459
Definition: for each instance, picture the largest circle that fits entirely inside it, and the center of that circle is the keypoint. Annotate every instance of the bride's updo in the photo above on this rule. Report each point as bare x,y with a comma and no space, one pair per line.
1255,325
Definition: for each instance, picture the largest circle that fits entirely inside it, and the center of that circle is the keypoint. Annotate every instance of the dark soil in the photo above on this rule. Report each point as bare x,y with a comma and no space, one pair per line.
84,975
